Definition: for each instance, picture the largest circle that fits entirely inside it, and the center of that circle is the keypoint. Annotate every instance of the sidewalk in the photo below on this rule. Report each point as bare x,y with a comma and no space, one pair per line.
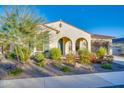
73,81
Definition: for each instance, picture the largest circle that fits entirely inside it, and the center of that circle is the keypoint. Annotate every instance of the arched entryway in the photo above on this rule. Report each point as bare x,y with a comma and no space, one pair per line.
65,45
81,43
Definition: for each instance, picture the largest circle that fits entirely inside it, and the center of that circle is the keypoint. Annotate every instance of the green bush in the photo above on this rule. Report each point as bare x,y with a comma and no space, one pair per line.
84,55
65,69
39,57
15,72
70,58
55,53
106,66
101,52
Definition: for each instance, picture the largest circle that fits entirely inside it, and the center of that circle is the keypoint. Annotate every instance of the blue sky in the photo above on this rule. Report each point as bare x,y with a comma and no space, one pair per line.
106,20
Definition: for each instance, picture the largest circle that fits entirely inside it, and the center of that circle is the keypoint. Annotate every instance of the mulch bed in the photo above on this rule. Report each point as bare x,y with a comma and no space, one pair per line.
97,67
32,71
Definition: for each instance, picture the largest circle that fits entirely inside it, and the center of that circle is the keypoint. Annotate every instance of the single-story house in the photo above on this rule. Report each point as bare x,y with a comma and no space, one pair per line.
69,38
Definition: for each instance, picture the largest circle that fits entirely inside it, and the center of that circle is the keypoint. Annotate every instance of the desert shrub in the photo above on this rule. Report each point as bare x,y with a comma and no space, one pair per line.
84,55
101,52
15,72
11,55
57,65
106,66
93,58
26,52
39,57
55,53
70,58
22,53
65,69
41,64
80,51
109,59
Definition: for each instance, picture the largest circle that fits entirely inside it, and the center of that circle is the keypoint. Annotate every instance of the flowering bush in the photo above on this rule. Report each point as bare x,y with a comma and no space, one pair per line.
109,58
93,58
70,58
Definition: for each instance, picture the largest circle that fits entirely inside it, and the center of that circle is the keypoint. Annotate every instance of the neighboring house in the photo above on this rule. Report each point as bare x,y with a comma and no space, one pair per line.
118,46
70,38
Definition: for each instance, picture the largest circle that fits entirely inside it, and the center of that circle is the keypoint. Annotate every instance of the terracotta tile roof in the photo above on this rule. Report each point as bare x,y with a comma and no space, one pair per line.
101,36
57,31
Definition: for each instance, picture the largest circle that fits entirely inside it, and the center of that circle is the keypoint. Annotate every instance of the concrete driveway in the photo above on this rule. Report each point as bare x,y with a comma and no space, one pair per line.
118,58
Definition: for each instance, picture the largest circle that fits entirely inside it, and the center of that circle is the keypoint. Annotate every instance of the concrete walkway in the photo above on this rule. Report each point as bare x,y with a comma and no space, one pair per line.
118,58
73,81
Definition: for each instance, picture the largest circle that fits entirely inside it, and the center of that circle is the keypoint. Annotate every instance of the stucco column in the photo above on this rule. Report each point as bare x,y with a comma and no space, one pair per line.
89,45
34,51
73,46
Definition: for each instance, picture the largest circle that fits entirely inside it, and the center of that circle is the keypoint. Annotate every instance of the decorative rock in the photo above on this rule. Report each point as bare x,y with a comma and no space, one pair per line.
77,65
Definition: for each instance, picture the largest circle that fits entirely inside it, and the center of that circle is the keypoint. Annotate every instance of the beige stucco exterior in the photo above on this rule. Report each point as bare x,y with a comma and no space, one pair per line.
69,32
66,35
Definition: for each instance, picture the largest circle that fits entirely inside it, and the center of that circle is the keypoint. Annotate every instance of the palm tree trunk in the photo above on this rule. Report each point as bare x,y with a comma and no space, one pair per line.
17,53
2,49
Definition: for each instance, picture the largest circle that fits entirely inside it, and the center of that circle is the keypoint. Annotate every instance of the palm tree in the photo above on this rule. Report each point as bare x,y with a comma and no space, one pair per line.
2,41
18,25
